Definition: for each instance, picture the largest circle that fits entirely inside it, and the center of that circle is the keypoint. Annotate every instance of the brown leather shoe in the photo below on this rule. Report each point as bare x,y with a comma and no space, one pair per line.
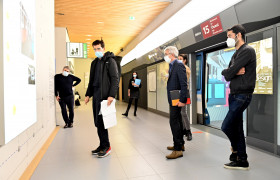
175,155
171,148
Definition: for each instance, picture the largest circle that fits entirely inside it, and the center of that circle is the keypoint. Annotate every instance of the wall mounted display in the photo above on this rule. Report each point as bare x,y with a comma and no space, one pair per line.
162,78
264,80
18,68
76,50
152,78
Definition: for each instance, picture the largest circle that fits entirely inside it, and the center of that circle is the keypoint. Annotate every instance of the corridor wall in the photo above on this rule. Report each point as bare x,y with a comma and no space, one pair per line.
82,71
16,155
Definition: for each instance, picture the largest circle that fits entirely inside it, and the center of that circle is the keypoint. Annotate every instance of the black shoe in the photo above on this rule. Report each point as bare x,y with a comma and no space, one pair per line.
70,125
96,151
233,157
135,114
66,126
125,114
105,152
240,164
189,135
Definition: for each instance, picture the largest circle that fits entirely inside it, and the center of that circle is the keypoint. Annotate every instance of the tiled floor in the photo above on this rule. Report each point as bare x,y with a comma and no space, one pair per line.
138,153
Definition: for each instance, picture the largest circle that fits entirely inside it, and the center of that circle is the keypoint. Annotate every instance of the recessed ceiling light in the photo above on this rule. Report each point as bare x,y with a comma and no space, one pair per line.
88,39
99,22
131,18
88,35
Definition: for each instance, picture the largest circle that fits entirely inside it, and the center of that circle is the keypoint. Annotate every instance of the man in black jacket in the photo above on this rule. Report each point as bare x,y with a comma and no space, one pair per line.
64,94
103,85
177,80
241,73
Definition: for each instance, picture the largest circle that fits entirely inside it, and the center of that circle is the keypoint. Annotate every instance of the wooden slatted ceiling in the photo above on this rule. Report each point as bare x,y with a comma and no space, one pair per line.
108,19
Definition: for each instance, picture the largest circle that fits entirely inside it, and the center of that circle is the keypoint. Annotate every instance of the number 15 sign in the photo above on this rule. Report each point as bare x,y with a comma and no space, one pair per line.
211,27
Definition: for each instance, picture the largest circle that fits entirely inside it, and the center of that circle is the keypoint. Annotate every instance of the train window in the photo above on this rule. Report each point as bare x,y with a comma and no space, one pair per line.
219,91
198,75
199,59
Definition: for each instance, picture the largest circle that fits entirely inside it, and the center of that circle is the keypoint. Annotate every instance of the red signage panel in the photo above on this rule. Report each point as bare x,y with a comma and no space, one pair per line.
206,29
211,27
216,25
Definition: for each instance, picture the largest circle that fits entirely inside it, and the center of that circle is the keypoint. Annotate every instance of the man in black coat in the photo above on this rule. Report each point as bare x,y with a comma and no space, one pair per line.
64,94
103,85
177,80
241,73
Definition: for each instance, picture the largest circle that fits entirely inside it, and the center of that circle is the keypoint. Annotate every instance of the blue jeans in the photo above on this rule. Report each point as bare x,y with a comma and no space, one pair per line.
233,123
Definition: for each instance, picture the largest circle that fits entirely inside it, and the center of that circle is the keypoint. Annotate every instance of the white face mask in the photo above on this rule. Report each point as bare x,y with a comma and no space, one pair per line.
65,73
231,42
135,76
167,59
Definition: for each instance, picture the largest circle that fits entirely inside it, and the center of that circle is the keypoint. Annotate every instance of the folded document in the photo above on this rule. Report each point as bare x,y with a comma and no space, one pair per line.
109,114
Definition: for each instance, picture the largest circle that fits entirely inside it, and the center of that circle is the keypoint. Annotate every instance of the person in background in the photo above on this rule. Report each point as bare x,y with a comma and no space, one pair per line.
64,94
186,121
133,93
177,80
103,85
241,73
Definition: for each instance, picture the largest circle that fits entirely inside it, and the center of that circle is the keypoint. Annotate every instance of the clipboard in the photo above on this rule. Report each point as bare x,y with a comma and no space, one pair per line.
137,82
175,97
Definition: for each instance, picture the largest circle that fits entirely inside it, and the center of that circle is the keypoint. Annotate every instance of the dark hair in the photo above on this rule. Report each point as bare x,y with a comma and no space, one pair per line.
185,57
238,29
96,42
136,75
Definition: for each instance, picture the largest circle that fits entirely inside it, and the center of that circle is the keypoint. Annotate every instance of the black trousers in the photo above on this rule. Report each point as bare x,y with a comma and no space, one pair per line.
129,104
69,102
176,127
98,120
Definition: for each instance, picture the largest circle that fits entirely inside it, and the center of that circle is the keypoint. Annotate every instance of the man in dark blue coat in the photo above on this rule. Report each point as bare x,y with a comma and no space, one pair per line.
177,81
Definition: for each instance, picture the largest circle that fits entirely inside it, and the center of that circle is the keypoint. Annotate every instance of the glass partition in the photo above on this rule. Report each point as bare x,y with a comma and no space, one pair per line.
278,118
261,111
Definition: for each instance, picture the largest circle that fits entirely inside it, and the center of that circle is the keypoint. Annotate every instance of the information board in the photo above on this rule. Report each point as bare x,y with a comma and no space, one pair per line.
19,67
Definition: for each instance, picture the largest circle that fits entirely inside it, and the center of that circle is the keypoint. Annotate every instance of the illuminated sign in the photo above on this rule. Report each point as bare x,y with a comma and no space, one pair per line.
264,79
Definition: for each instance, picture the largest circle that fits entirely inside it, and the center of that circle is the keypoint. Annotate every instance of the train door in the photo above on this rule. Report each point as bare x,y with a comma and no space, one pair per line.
199,86
214,89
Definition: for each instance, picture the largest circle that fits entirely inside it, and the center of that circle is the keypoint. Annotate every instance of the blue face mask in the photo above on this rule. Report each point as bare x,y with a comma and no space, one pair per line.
65,73
99,54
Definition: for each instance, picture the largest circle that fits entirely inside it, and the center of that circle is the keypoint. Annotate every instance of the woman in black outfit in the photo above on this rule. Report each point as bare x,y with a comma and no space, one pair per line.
133,93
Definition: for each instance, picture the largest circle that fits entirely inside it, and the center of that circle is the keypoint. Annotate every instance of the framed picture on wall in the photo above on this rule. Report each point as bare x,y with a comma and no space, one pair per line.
152,79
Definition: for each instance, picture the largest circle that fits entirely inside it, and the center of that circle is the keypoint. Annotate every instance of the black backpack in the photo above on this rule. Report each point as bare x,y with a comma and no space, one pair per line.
118,60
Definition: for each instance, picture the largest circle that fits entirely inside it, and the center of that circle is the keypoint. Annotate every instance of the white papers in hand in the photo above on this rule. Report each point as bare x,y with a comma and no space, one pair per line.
109,114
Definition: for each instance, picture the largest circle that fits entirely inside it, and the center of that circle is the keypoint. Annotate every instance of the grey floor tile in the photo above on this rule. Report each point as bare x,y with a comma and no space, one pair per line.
139,150
136,166
154,177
